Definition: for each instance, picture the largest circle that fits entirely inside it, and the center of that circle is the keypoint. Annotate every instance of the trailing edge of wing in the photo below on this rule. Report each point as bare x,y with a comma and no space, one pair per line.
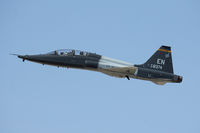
123,69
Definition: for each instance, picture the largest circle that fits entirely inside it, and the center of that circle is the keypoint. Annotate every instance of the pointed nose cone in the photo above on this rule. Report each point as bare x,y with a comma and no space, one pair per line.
23,57
36,58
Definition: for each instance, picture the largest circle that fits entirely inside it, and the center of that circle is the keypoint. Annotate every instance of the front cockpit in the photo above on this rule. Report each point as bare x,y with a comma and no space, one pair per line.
71,52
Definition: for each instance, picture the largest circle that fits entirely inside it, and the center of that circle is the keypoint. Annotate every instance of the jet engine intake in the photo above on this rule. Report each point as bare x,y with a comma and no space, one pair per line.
91,64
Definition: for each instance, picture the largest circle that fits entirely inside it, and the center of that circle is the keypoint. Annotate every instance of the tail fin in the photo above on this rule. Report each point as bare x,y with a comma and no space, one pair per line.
161,60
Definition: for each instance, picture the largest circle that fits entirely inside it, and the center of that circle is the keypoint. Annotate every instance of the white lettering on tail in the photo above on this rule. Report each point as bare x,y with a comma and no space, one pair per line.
160,61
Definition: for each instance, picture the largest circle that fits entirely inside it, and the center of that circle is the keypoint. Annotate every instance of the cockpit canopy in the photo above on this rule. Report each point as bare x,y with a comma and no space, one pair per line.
68,52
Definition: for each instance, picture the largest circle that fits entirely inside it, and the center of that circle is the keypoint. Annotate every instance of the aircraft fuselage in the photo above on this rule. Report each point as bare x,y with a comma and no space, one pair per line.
117,68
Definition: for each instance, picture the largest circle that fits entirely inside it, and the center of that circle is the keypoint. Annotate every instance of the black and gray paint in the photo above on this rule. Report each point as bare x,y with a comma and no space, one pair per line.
158,69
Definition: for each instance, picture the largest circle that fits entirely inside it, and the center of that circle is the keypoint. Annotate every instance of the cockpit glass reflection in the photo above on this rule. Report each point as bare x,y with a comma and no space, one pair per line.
69,52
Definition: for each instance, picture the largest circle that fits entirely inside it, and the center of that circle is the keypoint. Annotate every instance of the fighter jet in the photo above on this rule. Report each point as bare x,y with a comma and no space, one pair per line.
158,68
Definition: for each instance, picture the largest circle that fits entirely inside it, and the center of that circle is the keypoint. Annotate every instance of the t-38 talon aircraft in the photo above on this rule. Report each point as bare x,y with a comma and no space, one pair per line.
158,68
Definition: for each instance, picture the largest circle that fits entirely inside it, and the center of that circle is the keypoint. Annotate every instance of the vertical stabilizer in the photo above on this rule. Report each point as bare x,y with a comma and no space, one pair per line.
161,60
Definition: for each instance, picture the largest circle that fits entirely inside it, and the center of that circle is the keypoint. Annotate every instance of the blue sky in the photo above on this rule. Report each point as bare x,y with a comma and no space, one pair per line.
36,98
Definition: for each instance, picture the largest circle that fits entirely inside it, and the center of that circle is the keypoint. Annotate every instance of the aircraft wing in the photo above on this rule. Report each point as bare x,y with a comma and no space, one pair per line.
120,71
123,69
